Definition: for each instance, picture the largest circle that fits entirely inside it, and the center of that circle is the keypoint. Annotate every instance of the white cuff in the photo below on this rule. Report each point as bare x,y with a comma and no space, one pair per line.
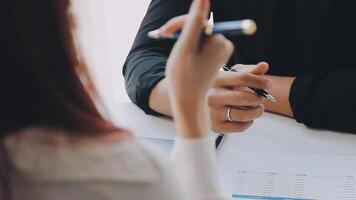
194,161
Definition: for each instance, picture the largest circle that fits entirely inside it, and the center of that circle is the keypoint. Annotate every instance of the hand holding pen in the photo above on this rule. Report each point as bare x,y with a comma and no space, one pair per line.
232,105
259,92
234,28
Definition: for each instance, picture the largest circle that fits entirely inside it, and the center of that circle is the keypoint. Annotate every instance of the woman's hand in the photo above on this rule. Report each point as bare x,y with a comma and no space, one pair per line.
192,68
230,91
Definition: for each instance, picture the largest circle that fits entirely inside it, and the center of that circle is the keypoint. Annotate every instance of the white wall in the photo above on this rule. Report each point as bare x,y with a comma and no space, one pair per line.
106,30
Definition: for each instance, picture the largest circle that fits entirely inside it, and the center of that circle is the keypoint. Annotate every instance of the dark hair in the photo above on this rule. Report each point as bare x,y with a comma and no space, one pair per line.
41,76
41,79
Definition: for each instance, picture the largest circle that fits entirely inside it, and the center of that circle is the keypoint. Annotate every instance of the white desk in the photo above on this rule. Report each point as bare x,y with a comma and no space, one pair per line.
270,134
249,164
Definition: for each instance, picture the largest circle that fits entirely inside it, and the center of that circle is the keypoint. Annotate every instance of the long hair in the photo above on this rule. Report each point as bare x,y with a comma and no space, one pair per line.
41,79
41,76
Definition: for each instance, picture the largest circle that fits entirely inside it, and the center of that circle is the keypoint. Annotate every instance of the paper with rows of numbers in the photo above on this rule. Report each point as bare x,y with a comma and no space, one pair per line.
247,176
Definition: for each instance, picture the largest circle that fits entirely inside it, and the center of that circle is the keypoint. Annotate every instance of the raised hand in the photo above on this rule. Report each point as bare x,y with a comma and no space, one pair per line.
192,68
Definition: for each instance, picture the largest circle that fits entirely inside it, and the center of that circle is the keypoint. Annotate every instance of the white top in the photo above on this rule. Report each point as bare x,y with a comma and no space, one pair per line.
46,165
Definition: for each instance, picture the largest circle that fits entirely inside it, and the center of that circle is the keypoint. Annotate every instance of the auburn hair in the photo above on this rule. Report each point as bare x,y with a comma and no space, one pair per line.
42,81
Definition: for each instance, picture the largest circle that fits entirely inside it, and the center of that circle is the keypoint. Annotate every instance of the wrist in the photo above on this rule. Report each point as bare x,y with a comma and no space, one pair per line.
191,127
280,90
190,117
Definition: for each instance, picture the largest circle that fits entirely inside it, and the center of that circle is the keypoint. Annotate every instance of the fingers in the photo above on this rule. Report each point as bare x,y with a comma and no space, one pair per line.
259,69
172,26
223,97
238,114
196,21
231,127
246,106
241,79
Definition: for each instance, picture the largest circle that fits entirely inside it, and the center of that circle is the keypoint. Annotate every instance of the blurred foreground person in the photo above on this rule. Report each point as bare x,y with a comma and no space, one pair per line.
54,142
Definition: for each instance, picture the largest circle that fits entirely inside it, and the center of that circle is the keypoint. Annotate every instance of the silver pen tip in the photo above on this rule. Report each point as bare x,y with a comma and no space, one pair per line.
271,98
155,34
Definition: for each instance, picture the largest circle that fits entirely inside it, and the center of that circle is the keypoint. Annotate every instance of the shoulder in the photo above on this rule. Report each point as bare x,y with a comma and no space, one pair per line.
41,154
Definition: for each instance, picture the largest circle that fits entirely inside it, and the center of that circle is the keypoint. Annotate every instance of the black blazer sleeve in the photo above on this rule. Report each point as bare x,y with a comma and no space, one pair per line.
145,64
326,99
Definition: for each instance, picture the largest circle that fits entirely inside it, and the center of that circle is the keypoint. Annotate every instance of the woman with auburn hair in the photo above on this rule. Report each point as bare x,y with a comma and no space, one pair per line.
54,142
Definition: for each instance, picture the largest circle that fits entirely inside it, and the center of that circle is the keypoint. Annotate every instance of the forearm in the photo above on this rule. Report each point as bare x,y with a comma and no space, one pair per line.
280,90
145,64
188,117
159,98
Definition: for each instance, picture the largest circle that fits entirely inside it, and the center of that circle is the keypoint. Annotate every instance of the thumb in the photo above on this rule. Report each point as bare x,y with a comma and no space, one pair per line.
173,25
260,69
197,21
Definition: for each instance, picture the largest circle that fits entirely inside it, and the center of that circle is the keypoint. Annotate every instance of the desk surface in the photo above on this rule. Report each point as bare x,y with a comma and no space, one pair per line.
270,134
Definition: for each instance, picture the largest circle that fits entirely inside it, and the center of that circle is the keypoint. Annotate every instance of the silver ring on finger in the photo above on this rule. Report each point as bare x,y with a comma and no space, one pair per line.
228,115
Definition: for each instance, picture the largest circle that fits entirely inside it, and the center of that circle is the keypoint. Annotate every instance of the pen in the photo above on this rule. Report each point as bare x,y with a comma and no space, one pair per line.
218,140
232,28
260,92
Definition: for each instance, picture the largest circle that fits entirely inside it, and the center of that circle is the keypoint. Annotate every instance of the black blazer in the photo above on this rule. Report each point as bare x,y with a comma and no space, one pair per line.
312,40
